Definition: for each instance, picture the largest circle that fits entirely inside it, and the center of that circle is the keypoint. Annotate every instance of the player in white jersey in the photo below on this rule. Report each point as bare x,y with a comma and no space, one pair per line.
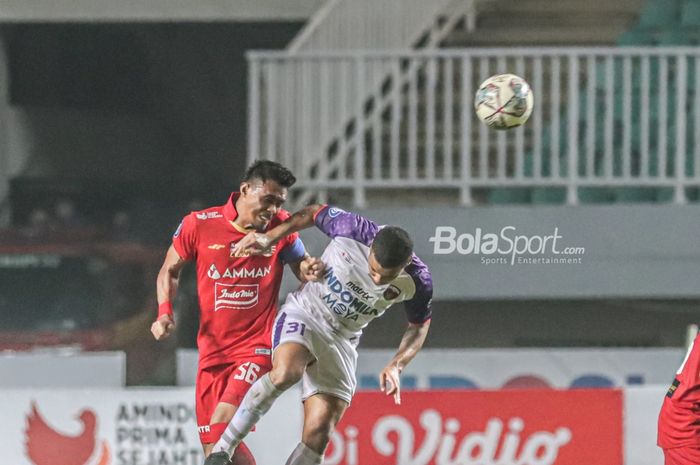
368,268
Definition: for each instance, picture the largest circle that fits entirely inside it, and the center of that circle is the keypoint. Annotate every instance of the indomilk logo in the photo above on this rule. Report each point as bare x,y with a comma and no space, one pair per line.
46,446
343,302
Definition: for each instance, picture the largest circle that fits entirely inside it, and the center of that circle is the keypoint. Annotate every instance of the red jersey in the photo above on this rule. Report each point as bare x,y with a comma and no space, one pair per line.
237,295
679,420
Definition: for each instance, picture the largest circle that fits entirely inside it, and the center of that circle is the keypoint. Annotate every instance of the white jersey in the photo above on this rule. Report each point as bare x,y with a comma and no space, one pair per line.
347,298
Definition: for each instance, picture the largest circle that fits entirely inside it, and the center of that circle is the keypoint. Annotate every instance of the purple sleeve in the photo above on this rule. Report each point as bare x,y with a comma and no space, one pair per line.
335,222
294,252
418,308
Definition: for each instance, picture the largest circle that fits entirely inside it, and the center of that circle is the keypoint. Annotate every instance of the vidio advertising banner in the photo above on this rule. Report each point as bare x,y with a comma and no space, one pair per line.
519,427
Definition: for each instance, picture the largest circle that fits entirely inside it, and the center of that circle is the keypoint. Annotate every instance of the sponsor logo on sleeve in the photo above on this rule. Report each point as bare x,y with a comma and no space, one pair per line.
208,215
235,296
178,230
333,212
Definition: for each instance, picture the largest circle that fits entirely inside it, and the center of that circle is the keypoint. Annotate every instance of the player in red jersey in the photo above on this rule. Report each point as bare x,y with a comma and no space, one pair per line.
679,420
237,295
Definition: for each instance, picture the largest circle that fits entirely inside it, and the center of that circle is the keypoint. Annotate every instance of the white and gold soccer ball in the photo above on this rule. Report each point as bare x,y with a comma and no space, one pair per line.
504,101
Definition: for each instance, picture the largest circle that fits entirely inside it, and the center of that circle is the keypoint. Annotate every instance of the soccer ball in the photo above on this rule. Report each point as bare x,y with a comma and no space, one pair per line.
504,101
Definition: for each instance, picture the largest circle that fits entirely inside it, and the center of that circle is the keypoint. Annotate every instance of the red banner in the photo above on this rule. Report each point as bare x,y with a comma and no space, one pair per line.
509,427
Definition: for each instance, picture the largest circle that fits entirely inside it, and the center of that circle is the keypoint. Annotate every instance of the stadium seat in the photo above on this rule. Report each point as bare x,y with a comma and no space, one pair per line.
634,194
675,36
690,14
636,38
665,195
595,195
518,195
546,195
659,14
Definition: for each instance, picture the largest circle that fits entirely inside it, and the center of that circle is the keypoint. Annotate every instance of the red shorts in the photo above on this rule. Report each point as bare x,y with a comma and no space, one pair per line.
225,383
682,456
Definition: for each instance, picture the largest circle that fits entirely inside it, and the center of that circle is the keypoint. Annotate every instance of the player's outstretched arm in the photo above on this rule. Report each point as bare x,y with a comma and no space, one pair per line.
166,288
308,269
411,343
256,243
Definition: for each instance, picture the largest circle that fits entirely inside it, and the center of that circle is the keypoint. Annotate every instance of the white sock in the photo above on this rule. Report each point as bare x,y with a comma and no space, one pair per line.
255,404
302,455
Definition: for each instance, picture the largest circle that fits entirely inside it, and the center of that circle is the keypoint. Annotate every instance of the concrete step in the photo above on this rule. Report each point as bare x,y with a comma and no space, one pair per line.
527,36
544,21
571,7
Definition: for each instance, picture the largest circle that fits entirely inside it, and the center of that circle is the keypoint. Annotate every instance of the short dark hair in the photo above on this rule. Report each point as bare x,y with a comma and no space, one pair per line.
266,170
392,246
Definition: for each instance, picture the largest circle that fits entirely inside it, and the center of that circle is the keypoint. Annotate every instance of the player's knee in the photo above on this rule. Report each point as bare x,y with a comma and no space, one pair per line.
317,434
285,376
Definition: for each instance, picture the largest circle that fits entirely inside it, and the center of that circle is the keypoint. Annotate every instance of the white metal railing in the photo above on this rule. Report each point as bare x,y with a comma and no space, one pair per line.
604,118
347,25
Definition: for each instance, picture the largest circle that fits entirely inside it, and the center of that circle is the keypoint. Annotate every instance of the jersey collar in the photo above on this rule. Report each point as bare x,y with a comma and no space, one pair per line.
230,212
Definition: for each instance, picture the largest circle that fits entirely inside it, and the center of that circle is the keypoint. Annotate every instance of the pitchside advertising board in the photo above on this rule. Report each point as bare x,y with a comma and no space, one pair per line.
529,427
506,368
507,427
124,427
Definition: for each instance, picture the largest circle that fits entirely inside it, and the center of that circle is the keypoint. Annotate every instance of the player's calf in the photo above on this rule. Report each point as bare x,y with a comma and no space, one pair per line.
255,404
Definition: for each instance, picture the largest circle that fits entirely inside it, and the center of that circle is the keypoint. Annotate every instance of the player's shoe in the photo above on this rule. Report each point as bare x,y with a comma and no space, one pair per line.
218,458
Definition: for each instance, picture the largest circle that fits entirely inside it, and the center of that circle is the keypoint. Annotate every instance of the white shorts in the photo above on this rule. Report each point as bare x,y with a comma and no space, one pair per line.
333,372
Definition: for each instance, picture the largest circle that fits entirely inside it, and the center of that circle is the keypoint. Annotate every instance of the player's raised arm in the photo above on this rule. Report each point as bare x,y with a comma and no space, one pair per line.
305,267
419,314
259,242
411,342
166,288
308,269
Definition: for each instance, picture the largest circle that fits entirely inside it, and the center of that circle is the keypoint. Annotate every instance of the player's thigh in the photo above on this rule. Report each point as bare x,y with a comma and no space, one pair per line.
333,372
289,363
321,413
293,345
241,375
223,412
208,389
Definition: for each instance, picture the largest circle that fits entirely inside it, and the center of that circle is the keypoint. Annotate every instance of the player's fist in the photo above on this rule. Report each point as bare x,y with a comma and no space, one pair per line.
312,268
162,327
390,382
252,244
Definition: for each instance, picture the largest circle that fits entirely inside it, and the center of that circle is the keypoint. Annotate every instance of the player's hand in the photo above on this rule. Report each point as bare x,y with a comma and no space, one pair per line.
252,244
390,382
312,268
163,327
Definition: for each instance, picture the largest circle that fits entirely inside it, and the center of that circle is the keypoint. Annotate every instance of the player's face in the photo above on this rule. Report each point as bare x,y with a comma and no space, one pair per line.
261,201
379,274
